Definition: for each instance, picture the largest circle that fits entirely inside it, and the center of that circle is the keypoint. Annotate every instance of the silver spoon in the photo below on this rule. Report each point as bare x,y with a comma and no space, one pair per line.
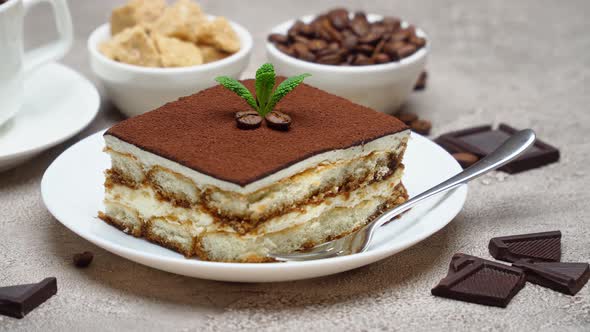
359,241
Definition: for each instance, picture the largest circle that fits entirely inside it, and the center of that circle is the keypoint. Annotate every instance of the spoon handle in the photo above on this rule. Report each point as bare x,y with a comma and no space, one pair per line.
509,150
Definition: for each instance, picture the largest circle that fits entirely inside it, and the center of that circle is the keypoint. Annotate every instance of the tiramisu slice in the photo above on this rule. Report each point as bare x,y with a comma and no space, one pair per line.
186,177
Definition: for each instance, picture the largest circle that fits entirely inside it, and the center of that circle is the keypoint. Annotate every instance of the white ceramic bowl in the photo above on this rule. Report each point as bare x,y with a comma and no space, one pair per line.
383,87
136,90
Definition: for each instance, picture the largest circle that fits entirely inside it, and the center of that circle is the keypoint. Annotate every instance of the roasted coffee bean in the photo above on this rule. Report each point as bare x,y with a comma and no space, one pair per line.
370,38
328,30
391,23
244,113
406,51
417,41
359,24
380,46
421,126
392,48
286,49
365,48
83,259
295,29
465,159
278,120
350,41
317,45
421,82
277,38
248,120
381,58
407,117
339,18
300,48
410,30
332,50
378,29
362,60
399,35
300,39
307,30
350,59
330,59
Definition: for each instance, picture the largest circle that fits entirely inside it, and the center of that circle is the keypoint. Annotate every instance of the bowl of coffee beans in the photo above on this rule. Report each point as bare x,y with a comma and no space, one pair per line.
371,59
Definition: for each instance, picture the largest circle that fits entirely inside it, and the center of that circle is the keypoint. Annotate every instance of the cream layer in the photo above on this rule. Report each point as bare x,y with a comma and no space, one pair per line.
391,143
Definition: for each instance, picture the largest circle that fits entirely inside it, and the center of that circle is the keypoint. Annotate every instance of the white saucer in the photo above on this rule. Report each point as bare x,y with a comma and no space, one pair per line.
72,189
59,103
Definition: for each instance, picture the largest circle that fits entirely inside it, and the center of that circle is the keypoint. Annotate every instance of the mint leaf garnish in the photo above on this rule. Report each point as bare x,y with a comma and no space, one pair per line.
239,89
265,82
283,89
266,99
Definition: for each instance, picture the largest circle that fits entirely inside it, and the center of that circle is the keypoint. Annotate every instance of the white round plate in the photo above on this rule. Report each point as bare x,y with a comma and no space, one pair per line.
72,190
59,103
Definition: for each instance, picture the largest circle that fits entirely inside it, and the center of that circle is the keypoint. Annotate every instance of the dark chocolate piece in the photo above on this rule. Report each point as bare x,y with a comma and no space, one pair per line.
480,281
567,278
17,301
544,246
483,140
83,259
278,120
248,120
465,159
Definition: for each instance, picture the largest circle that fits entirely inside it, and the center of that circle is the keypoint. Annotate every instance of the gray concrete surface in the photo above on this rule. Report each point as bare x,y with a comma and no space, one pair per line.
526,63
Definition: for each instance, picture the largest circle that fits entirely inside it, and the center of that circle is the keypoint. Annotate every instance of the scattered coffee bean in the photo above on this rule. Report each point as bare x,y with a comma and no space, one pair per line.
422,127
407,117
465,159
248,120
83,259
278,120
339,37
421,83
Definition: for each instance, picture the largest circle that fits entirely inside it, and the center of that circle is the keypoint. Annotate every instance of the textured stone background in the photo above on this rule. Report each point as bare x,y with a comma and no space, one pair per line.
522,62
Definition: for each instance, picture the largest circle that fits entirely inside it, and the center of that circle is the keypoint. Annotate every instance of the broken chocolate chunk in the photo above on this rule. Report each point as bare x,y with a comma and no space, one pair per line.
544,246
476,280
17,301
567,278
482,140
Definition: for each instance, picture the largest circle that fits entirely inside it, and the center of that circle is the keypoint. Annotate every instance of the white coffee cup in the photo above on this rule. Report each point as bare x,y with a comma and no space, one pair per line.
14,62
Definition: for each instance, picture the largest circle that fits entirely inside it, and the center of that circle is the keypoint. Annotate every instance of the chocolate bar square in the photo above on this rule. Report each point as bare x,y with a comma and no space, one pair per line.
482,140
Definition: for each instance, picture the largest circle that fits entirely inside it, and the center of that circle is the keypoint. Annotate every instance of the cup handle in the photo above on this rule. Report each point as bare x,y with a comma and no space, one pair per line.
55,49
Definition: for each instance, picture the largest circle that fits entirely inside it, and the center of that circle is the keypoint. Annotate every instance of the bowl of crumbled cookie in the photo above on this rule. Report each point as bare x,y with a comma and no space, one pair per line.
151,53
